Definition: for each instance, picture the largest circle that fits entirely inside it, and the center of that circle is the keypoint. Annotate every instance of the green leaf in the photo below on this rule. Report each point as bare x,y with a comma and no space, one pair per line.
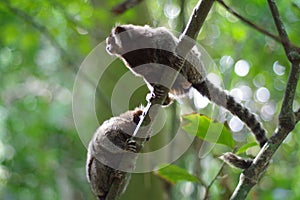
244,148
173,174
207,129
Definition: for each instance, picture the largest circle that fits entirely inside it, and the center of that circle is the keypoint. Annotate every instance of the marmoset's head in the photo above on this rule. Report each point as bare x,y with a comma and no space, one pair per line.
126,38
148,53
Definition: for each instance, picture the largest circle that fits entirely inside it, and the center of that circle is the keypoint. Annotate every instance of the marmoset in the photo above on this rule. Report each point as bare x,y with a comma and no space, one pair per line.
111,154
149,52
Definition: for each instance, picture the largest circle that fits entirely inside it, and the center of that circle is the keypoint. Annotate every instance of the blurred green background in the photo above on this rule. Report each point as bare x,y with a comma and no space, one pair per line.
42,44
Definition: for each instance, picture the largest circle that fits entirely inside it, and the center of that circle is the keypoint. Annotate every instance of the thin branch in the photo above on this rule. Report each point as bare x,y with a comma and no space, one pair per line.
213,180
124,6
280,27
197,166
287,118
248,22
250,177
195,24
251,24
287,105
192,29
185,44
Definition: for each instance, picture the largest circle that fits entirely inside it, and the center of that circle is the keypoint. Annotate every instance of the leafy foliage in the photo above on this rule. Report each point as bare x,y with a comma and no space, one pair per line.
173,174
245,147
41,47
207,129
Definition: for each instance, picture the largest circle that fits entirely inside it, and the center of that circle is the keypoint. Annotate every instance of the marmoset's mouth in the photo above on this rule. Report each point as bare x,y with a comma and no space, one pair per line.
110,43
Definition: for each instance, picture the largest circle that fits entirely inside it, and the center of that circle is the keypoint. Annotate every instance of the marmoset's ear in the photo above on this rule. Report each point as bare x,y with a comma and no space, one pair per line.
119,29
136,116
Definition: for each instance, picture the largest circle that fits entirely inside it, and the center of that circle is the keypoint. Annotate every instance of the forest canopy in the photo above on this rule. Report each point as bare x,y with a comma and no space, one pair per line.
42,46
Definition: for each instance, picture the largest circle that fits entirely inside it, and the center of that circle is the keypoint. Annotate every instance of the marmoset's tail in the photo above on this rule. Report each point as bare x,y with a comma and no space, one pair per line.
221,98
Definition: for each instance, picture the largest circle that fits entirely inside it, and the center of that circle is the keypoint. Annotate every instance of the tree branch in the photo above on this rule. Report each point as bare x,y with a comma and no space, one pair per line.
194,25
192,29
280,27
251,24
185,44
286,115
248,22
287,118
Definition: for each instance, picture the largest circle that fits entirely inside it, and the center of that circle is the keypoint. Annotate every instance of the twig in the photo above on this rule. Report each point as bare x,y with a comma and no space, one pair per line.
248,22
287,118
286,115
124,6
280,27
213,180
195,24
286,112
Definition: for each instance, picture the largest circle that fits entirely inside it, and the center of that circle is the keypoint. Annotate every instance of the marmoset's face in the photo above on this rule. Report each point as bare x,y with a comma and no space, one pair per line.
126,38
117,40
113,43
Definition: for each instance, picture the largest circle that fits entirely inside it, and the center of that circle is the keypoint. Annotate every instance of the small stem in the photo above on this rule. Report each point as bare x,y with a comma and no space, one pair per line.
213,180
287,118
247,21
280,27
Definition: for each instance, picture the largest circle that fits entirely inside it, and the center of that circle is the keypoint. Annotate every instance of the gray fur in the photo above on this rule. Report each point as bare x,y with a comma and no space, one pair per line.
110,151
140,47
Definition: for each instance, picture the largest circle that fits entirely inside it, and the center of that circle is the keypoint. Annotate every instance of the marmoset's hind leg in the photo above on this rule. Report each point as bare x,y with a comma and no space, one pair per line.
158,93
120,182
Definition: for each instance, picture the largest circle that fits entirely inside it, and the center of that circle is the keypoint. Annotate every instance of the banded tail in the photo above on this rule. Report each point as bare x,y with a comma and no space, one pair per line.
219,97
